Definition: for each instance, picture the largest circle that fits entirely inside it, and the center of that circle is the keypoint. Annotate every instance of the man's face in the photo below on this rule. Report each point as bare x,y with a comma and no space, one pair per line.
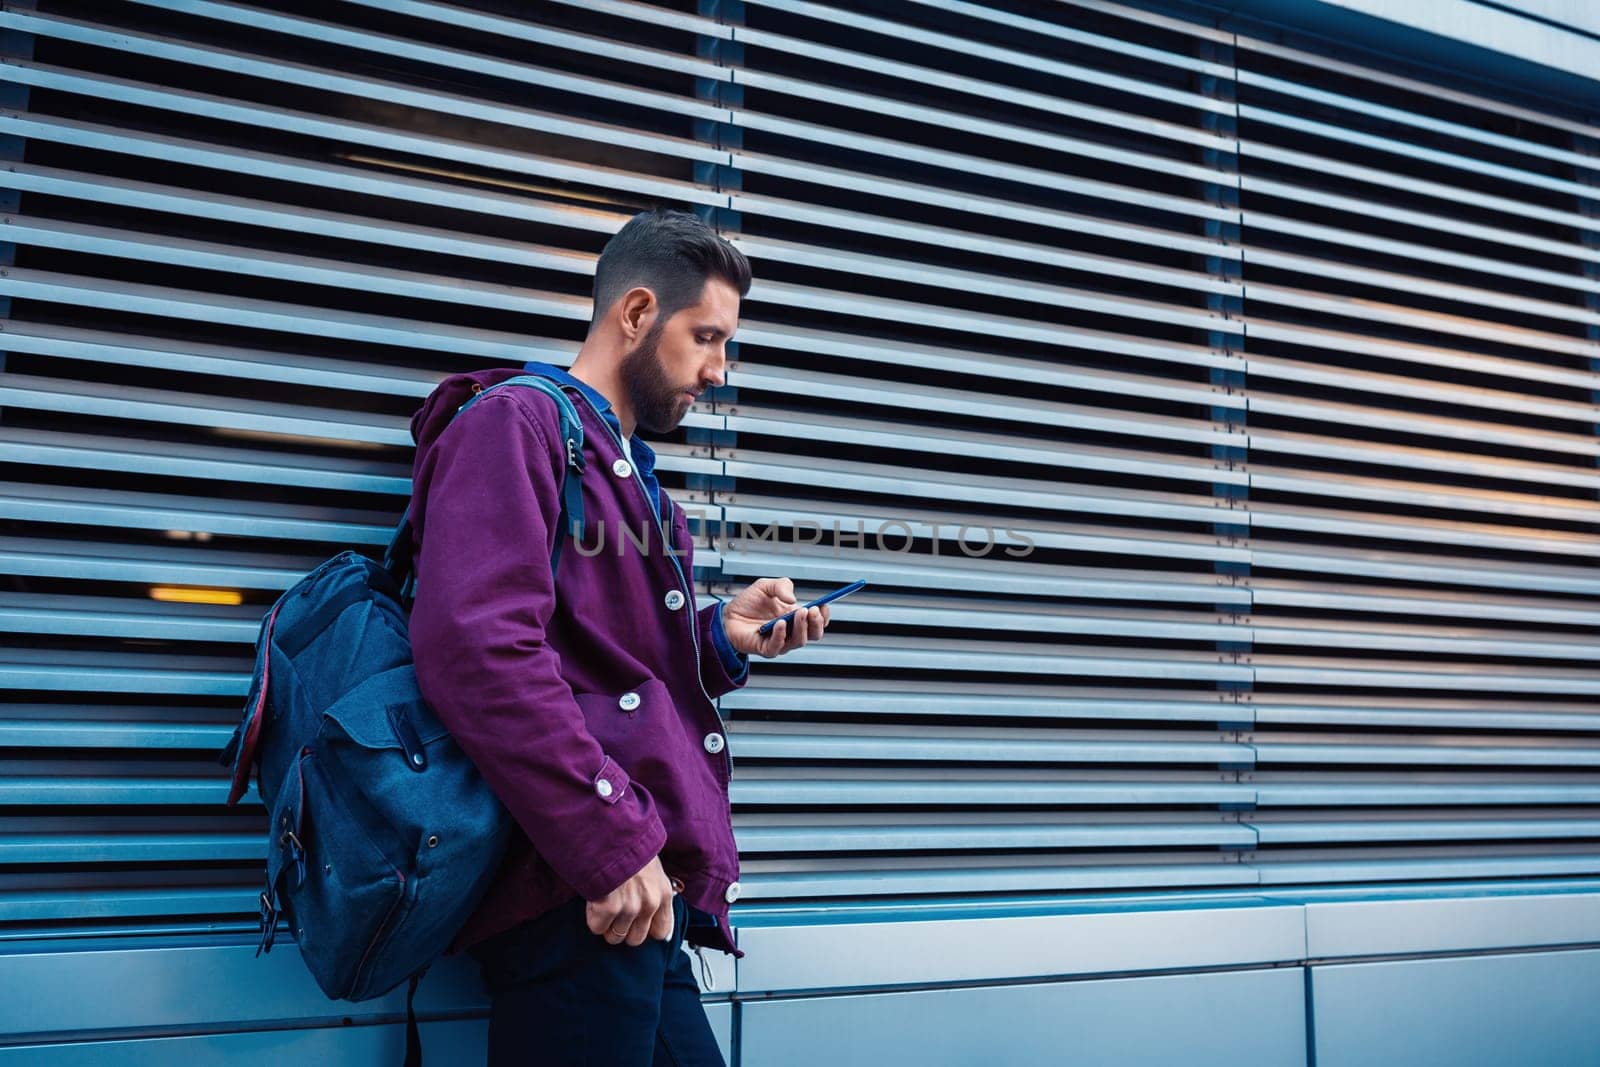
678,359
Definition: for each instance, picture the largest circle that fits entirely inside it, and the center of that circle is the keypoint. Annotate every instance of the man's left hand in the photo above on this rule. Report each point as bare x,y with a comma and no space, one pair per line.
764,600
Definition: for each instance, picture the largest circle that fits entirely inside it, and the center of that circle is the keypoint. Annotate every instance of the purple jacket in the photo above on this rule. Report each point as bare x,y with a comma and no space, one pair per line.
585,701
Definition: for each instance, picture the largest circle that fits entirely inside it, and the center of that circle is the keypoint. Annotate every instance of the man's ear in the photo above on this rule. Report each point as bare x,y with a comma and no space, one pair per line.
636,312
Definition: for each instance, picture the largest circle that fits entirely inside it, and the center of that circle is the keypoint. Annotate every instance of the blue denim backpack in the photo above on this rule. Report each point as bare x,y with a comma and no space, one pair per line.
382,835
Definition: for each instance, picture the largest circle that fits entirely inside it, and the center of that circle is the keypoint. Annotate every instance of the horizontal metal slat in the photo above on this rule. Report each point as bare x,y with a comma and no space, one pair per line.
366,182
1038,140
1268,442
1443,498
1361,241
1016,658
1332,831
1487,573
1341,869
1393,385
524,31
87,616
180,846
1331,636
762,885
1394,146
234,413
795,741
307,270
814,300
1387,79
1438,531
99,562
1405,117
990,92
1396,674
753,514
251,313
885,479
1381,600
1423,713
387,44
821,696
226,361
176,460
1340,341
1033,62
364,88
870,434
1415,789
76,903
876,838
932,613
792,382
48,726
965,164
905,793
963,200
1401,315
1421,751
1250,148
946,237
912,273
286,217
1480,298
161,511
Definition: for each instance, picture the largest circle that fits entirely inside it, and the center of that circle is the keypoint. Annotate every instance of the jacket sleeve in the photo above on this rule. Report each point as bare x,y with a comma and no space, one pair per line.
484,513
721,668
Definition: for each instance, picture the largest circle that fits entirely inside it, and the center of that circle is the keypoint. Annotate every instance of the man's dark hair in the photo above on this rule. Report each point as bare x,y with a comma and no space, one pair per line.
671,253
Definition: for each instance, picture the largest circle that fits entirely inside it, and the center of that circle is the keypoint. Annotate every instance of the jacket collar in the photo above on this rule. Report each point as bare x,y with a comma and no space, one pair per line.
644,457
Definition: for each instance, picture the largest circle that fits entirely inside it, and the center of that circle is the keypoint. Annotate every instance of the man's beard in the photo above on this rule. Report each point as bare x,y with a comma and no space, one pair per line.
656,401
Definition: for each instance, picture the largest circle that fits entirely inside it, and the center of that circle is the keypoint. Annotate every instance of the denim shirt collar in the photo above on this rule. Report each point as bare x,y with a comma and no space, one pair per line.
644,457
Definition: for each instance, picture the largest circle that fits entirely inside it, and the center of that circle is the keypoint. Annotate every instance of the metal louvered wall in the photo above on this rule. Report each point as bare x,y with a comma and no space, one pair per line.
1215,421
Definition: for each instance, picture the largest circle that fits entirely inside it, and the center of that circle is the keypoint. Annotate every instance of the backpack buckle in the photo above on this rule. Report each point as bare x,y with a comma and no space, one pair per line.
269,922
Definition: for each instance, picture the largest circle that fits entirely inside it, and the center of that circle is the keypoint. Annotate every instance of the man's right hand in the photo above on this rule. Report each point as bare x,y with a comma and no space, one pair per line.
638,908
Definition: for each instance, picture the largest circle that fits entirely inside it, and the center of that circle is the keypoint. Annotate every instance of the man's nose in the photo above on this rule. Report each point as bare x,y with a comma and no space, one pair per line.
714,373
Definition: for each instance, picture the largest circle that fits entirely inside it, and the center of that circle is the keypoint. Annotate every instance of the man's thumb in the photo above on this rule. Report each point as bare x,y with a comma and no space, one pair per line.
782,588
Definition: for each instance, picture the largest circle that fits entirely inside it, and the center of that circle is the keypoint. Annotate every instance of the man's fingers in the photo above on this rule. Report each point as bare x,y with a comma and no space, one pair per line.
661,923
648,918
600,916
817,619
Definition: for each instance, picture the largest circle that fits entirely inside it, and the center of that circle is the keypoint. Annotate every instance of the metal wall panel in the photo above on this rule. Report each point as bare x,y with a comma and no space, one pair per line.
1484,1011
1216,1020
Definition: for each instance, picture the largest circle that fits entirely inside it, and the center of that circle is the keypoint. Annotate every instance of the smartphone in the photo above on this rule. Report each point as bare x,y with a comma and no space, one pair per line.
843,591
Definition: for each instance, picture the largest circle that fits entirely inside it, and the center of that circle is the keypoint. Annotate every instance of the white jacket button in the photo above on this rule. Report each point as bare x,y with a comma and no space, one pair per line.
732,894
674,599
622,469
714,743
603,787
628,701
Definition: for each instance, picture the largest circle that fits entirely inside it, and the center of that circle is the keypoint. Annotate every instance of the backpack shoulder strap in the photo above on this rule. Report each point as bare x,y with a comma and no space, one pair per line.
397,558
571,433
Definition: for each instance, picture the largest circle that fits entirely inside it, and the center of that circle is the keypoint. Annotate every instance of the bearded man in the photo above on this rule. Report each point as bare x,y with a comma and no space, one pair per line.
585,697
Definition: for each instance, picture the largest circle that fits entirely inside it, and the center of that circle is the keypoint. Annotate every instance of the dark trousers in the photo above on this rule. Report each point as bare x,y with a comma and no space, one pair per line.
561,996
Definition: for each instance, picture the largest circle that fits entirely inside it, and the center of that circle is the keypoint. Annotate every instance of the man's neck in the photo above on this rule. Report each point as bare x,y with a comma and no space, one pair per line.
586,368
